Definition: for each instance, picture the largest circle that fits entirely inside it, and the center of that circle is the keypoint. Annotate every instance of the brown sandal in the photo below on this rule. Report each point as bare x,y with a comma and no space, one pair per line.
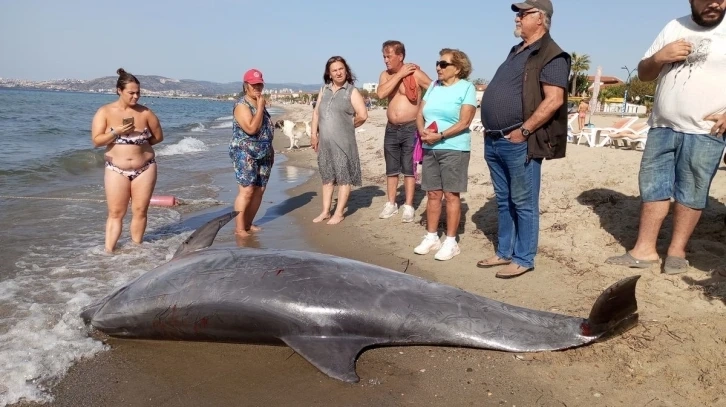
492,262
513,270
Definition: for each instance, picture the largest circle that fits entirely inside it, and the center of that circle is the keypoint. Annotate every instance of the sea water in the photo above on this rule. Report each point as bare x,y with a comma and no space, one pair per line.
53,213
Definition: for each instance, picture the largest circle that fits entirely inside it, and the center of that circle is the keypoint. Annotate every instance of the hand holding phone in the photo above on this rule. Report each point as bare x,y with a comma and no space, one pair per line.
127,126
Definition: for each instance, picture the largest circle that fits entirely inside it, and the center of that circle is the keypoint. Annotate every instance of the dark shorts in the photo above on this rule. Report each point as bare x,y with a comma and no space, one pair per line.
445,170
252,163
398,143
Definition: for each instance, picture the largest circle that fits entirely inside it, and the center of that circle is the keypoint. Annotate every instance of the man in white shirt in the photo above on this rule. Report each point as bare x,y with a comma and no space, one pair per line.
686,140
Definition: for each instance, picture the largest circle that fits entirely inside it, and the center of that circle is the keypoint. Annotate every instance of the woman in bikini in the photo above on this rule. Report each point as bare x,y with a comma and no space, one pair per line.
251,150
127,130
582,112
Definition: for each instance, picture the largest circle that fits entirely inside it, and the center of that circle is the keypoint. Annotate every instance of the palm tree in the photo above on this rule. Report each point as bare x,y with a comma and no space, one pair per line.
580,63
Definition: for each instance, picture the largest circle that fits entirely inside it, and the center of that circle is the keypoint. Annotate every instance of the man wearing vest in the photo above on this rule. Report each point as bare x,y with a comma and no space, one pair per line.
524,113
686,139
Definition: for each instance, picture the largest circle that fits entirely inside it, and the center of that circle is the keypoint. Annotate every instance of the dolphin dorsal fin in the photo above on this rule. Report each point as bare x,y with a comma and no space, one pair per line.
204,236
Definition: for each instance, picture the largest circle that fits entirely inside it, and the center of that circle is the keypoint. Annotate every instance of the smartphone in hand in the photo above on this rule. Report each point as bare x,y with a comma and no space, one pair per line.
128,120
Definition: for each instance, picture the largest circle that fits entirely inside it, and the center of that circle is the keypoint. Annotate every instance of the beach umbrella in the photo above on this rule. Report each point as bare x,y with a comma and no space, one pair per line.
595,94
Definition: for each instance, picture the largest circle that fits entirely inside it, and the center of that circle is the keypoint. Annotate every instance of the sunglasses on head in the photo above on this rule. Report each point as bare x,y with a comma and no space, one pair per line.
443,64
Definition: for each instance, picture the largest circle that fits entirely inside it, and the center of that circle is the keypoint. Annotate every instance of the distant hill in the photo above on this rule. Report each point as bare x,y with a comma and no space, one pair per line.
153,85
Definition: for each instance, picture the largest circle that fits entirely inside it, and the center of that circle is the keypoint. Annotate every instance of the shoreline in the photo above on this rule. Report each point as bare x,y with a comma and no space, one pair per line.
589,207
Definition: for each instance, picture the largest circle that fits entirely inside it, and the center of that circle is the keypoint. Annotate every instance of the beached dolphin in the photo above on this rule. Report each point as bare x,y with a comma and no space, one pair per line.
329,309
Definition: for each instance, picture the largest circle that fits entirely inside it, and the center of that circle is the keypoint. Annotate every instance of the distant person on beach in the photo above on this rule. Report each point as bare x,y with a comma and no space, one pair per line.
340,110
582,113
251,150
443,120
401,84
127,130
524,112
686,138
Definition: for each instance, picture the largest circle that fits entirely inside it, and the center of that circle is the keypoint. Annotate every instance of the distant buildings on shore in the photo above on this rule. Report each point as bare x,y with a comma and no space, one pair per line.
273,94
370,87
76,85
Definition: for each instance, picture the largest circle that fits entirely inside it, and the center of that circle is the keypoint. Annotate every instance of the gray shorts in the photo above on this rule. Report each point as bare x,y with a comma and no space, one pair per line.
398,141
446,170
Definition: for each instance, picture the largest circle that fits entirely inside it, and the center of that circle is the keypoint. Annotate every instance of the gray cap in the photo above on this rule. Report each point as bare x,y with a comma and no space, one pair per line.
544,5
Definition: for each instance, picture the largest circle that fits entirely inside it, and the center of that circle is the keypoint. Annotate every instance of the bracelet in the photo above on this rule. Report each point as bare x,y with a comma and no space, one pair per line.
113,133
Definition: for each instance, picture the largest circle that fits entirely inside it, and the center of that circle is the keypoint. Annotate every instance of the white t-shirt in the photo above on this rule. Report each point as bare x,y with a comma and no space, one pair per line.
690,90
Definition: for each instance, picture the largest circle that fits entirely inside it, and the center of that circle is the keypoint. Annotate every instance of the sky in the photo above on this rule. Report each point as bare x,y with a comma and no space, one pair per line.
290,40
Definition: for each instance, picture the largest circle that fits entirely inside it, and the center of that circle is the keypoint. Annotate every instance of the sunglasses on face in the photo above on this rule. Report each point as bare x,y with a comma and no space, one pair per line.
443,64
522,14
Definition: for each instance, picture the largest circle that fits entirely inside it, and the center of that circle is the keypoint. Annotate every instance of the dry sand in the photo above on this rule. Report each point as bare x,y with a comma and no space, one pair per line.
676,356
589,210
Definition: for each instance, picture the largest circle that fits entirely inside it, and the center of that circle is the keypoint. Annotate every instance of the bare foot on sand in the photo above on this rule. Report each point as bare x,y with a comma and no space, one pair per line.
255,228
241,233
336,219
322,217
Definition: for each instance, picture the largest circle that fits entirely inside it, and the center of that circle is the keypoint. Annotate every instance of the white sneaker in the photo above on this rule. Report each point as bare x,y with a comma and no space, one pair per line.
408,213
389,210
427,244
447,251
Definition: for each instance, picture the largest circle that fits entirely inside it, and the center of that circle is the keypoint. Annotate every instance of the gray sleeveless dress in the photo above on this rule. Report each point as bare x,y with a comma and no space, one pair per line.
338,160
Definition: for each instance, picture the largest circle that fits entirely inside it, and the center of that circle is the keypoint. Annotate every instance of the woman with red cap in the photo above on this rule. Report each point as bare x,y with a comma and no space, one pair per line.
251,150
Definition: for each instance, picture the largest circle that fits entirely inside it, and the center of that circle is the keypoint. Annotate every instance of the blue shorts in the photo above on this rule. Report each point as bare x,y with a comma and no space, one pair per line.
680,166
252,162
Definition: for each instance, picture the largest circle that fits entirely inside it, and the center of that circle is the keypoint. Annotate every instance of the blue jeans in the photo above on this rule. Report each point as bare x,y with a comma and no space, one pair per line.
680,166
516,183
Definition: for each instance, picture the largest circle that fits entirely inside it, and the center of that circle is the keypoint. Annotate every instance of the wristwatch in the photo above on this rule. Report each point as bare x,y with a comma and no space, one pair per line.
442,135
525,132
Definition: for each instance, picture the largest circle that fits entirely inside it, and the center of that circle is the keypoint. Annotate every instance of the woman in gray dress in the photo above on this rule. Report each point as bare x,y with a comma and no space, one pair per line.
340,109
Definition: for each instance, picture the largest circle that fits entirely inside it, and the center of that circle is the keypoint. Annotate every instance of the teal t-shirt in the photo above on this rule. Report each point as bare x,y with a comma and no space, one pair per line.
443,106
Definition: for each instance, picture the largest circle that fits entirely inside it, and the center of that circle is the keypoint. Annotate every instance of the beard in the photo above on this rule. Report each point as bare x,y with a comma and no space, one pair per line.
698,19
518,32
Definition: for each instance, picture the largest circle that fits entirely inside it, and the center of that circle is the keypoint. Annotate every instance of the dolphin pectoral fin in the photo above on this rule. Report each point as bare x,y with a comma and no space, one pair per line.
204,236
333,355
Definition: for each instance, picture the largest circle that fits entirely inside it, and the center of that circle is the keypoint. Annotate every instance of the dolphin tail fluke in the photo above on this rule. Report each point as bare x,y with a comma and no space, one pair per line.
204,236
334,356
614,310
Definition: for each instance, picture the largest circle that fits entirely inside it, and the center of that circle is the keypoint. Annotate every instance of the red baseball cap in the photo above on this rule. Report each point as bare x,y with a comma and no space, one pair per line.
253,76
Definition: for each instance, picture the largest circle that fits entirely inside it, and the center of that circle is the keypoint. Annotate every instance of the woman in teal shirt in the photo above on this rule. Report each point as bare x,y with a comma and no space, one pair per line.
447,109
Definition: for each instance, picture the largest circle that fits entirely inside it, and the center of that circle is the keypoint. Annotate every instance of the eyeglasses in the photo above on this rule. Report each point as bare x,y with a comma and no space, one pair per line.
443,64
521,14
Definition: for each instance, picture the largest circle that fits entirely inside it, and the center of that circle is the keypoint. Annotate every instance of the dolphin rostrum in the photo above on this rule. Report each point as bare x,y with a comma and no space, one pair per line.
329,309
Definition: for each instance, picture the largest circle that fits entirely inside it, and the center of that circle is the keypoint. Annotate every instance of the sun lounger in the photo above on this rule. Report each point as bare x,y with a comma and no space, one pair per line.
570,132
476,126
634,136
598,136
